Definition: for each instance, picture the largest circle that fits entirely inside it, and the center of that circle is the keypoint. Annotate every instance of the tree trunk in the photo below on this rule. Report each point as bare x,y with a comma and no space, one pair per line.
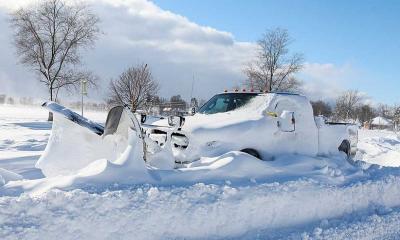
133,107
50,117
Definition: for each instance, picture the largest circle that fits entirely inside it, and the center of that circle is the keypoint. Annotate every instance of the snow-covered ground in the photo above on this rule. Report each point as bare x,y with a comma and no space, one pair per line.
24,132
298,198
380,147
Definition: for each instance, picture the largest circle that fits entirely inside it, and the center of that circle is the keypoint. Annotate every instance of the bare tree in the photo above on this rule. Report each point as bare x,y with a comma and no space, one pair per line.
48,38
177,103
150,102
321,108
134,87
385,111
347,105
396,116
365,113
274,68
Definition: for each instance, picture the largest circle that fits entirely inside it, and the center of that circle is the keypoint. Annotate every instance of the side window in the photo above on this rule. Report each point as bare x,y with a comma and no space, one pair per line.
285,105
225,102
221,105
239,102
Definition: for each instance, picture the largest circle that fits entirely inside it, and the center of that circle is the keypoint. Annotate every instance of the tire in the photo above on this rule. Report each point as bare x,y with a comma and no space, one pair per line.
345,147
251,152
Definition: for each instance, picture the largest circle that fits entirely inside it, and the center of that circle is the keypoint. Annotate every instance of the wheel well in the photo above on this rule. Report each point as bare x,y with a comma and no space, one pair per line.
251,152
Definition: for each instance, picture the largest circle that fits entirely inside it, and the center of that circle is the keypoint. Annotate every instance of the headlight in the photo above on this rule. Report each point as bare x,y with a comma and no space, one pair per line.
157,136
179,140
176,121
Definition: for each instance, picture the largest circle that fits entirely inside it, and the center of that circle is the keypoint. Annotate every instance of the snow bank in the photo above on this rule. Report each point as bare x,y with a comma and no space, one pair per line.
198,211
76,157
236,168
293,197
69,149
93,160
377,223
379,147
6,176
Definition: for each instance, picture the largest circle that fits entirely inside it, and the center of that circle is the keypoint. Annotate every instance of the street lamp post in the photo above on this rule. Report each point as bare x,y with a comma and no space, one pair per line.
83,92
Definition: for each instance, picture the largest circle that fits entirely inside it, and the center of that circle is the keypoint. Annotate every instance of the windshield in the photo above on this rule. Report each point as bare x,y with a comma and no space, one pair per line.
226,102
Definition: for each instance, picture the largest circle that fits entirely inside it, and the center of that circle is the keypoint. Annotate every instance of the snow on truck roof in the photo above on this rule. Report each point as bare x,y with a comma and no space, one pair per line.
259,92
264,93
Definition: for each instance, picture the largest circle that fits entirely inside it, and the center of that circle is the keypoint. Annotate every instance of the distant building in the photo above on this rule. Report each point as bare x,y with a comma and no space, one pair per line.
381,123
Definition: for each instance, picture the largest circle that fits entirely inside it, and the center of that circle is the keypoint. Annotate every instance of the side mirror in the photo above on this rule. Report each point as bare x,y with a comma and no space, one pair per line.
113,120
287,122
193,110
176,121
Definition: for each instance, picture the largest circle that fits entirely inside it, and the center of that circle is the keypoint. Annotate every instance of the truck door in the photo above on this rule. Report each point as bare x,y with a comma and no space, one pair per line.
285,109
297,130
286,135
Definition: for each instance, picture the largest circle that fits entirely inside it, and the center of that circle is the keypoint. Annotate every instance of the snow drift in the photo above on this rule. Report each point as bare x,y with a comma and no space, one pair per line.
232,195
75,156
6,176
268,211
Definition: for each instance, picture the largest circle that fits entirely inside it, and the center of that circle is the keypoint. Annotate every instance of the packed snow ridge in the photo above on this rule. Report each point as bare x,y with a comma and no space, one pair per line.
233,195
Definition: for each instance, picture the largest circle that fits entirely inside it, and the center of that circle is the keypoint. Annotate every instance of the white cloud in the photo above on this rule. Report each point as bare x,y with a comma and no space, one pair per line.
138,31
326,81
14,4
328,71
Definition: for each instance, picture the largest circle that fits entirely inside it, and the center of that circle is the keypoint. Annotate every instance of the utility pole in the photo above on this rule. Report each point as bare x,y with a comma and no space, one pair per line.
191,92
83,92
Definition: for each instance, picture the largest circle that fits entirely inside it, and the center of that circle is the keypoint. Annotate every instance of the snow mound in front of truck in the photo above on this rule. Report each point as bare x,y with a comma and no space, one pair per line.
233,168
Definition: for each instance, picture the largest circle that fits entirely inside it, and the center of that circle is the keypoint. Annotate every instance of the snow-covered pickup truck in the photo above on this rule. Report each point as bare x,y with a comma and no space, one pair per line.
264,125
261,124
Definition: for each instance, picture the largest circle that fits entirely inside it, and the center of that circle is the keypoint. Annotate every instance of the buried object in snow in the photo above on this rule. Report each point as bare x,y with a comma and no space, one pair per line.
261,124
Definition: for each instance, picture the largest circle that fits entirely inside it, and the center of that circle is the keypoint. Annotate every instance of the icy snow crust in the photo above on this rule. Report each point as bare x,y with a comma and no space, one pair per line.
232,195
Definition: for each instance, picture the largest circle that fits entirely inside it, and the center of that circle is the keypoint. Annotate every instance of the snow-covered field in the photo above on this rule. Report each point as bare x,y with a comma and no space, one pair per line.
298,198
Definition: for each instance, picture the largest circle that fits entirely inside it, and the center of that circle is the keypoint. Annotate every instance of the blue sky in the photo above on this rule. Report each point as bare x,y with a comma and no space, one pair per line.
363,34
347,45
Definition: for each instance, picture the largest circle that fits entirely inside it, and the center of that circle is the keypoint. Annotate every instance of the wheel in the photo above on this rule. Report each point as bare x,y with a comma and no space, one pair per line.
251,152
345,147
